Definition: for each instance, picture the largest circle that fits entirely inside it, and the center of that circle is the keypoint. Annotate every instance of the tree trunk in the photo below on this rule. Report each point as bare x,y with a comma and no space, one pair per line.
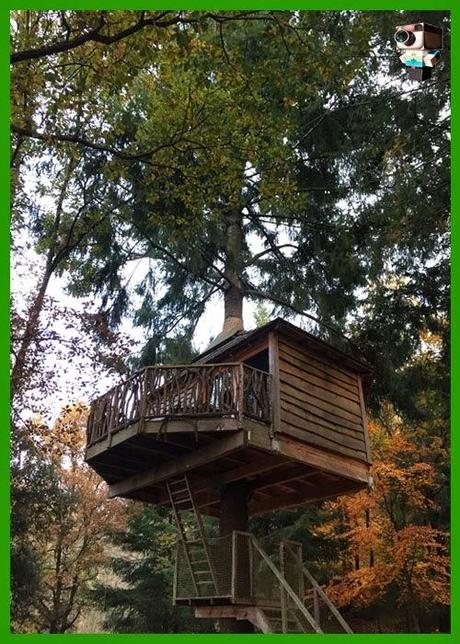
233,269
234,497
234,516
29,337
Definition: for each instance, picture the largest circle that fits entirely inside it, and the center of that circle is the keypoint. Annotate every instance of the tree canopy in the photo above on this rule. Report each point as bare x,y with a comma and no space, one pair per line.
163,161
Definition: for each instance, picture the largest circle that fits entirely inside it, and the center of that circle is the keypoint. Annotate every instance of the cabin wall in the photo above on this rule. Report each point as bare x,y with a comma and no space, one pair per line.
320,403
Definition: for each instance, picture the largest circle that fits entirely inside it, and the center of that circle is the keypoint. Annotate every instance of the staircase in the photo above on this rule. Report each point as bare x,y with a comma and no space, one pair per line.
191,536
271,620
276,599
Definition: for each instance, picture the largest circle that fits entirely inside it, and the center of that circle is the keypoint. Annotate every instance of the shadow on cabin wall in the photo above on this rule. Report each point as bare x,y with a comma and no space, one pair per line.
259,361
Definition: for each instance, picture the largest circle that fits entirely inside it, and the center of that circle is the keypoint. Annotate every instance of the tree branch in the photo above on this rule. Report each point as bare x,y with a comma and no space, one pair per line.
95,35
253,290
275,250
73,138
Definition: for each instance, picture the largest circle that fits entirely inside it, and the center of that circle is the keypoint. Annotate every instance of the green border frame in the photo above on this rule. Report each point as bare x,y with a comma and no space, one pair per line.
409,5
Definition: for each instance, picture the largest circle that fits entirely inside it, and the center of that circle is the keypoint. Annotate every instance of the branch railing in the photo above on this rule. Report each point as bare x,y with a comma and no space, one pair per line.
175,391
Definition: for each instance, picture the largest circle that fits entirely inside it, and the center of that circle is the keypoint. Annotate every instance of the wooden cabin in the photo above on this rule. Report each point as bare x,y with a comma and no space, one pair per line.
274,406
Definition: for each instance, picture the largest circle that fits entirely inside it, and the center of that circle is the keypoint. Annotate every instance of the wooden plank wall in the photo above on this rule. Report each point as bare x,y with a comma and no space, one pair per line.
321,404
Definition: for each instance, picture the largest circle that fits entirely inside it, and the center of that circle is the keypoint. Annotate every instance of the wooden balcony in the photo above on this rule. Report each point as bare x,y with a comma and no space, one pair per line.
181,392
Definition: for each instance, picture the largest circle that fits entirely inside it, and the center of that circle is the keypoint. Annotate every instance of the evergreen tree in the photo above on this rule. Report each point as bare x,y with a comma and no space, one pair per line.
140,601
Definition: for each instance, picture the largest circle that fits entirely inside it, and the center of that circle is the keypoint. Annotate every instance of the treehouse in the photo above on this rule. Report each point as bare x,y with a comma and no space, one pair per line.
274,406
263,420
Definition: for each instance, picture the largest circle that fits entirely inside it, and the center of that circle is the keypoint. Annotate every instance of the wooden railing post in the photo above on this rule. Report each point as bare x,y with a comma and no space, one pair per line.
234,566
176,573
241,393
316,611
284,623
319,594
142,401
251,569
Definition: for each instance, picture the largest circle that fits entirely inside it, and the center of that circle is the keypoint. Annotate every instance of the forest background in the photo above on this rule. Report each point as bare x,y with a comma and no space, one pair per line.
138,140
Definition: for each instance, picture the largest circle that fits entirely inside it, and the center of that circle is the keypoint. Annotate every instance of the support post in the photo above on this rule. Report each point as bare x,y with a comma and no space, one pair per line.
234,517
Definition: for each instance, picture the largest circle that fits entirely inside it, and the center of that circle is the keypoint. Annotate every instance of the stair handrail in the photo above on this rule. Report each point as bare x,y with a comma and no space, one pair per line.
293,595
325,598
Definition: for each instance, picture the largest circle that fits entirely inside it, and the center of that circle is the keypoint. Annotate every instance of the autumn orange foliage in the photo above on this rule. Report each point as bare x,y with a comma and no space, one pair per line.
75,545
390,548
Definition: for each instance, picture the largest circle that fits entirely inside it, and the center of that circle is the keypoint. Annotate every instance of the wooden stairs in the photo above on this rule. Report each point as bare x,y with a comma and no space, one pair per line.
242,581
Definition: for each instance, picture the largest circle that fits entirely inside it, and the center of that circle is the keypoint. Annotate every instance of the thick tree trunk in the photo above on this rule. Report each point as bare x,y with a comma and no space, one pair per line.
234,516
233,269
234,497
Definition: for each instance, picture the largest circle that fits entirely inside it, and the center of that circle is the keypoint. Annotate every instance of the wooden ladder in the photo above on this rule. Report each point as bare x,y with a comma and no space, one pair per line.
192,537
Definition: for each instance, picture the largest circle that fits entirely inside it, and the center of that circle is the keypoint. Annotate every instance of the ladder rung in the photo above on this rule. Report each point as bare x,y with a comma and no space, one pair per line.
179,491
178,481
205,583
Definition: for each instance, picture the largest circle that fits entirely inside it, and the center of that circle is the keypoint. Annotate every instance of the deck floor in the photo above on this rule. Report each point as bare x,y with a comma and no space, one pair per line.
281,473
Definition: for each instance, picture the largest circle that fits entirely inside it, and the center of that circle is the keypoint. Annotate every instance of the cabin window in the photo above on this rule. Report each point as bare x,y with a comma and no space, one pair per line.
259,361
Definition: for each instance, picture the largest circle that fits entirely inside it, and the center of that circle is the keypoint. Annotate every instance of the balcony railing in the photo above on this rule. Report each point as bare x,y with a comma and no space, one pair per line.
178,391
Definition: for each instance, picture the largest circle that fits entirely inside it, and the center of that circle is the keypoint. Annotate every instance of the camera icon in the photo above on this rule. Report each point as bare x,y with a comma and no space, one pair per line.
419,46
420,35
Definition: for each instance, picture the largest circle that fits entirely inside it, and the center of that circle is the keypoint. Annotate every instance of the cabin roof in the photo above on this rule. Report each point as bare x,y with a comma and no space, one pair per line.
241,339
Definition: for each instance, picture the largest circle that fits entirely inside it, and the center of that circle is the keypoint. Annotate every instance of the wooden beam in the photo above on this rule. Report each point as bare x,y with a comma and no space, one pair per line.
273,357
191,424
364,415
322,460
197,458
203,484
252,469
295,472
147,444
297,499
258,435
111,441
